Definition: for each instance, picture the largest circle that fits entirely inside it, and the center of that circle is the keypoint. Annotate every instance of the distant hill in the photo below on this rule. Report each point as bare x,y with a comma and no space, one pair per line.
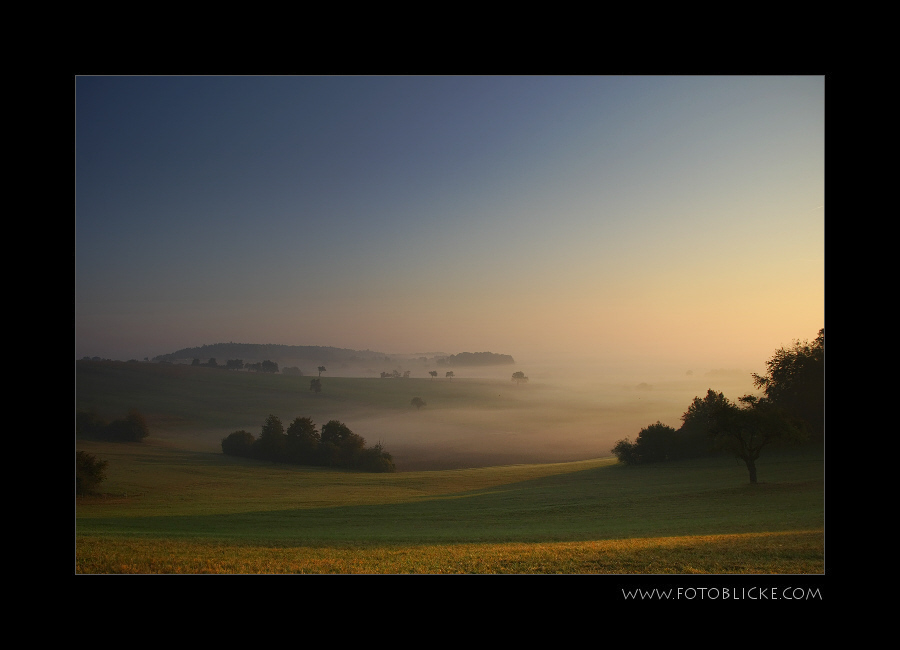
262,351
254,352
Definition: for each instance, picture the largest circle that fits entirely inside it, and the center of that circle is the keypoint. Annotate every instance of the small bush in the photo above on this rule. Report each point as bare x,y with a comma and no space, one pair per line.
626,452
132,429
89,425
376,459
89,472
654,444
239,443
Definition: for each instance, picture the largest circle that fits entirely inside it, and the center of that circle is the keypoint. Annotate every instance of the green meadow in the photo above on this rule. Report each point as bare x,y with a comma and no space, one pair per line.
175,504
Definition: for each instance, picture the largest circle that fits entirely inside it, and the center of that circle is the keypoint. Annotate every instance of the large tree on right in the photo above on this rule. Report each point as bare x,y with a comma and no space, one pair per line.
743,429
795,383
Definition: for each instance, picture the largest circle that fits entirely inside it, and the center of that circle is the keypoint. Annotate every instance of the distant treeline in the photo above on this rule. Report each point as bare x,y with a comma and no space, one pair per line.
476,359
271,351
317,355
302,444
238,364
131,428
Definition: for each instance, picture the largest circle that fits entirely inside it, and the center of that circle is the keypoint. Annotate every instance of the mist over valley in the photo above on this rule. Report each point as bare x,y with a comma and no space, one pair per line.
477,417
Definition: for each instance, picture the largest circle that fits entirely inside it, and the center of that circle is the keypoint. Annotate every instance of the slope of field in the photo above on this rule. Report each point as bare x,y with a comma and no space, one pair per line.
176,500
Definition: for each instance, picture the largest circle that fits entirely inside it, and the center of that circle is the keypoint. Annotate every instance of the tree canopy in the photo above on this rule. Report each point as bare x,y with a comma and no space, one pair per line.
795,383
272,439
742,429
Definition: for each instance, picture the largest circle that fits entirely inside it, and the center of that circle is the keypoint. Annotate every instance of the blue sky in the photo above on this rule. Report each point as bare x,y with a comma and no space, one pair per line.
673,218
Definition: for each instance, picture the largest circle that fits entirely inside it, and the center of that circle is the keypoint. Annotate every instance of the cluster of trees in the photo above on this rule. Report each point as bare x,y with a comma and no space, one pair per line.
476,359
396,374
209,364
791,410
301,444
263,366
131,428
238,364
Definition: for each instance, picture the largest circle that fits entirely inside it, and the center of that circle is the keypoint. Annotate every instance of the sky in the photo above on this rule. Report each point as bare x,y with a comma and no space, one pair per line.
638,219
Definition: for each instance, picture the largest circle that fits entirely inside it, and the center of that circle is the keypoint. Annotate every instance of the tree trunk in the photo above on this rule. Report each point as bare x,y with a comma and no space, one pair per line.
751,467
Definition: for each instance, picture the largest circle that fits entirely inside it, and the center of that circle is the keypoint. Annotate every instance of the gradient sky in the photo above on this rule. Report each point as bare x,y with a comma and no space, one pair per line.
676,219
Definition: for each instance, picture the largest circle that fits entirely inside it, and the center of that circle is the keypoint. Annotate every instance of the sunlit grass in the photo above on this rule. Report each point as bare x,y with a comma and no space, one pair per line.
210,514
767,553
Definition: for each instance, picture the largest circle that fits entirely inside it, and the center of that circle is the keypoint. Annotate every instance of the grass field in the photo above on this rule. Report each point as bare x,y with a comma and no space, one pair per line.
176,504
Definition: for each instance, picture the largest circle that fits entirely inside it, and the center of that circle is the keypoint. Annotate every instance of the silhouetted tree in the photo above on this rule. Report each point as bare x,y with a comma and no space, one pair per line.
269,366
272,439
341,444
321,370
449,375
433,373
315,384
795,383
519,377
418,402
302,441
744,429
